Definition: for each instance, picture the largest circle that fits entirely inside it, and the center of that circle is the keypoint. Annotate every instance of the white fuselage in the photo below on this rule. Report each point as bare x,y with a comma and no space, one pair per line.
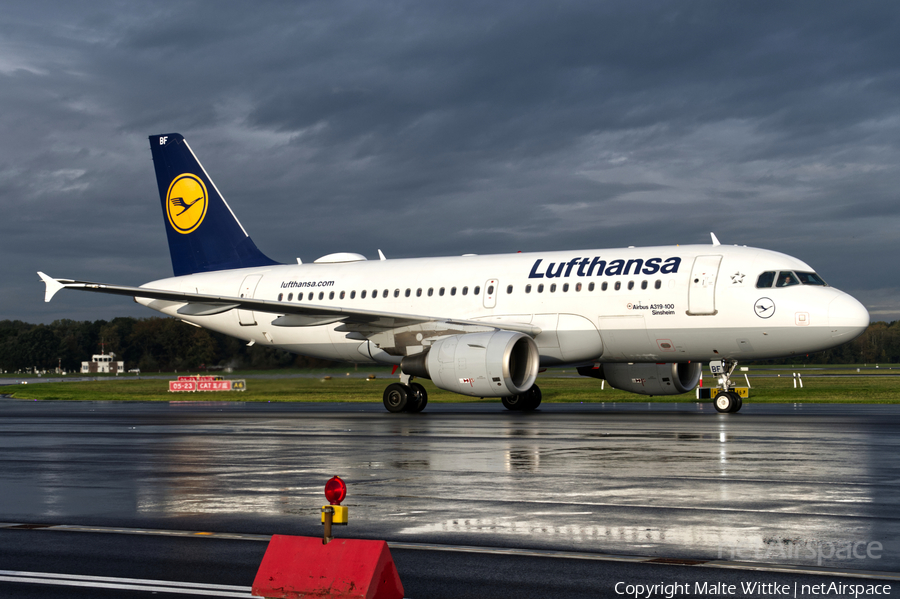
674,304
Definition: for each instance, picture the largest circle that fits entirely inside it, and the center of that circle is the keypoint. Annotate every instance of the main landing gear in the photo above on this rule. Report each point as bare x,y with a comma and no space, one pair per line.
405,396
726,401
525,402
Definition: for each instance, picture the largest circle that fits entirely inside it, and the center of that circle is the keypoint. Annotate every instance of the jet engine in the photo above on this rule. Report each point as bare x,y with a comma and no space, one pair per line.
493,364
648,379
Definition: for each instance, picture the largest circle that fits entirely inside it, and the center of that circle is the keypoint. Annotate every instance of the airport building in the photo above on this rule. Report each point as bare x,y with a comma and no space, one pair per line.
103,363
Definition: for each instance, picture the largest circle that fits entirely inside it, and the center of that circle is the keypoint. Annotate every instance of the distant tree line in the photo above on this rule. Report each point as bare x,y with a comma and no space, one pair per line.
151,344
168,345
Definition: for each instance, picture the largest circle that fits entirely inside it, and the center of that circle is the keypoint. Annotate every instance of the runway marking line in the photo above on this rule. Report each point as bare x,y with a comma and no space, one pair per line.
601,557
127,584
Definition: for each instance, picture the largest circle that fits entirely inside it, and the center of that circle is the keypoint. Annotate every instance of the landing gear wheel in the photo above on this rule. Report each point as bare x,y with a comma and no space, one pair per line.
724,402
514,402
738,402
396,397
421,398
532,398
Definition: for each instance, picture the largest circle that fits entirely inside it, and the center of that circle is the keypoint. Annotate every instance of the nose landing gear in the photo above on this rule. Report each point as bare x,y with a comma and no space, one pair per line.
726,400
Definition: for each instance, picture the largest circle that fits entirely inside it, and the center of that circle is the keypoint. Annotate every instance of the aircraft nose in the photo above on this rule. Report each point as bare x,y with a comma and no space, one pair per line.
847,317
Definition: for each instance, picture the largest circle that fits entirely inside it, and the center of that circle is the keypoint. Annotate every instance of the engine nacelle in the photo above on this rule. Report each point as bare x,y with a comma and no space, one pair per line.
494,364
648,379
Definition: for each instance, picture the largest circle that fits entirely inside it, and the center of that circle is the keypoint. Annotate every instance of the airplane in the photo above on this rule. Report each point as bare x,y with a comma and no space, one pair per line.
642,319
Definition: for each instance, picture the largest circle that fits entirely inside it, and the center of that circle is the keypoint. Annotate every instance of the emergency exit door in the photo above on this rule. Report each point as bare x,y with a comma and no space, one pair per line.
702,290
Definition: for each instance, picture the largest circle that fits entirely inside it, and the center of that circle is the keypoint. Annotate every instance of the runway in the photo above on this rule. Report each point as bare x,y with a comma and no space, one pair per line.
792,485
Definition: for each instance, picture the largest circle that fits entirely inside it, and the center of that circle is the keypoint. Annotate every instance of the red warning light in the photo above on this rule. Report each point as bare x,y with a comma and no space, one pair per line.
335,490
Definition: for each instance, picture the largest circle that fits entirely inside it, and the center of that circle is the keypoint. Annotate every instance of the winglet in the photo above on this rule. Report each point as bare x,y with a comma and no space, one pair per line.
715,240
52,286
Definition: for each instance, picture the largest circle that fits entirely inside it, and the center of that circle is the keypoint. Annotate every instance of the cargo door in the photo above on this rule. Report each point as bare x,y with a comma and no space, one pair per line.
702,290
247,318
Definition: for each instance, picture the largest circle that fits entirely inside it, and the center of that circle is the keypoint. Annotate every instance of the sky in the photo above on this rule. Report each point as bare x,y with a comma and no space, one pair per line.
446,128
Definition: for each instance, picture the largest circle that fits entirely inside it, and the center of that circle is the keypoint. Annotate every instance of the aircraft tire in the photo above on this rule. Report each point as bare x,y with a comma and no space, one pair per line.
738,402
421,396
396,397
513,402
724,402
532,398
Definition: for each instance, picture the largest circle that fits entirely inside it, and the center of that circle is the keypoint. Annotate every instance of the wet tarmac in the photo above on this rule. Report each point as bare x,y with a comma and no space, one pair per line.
803,484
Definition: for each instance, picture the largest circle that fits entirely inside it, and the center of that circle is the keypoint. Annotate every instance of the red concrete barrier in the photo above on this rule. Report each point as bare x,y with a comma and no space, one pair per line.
302,567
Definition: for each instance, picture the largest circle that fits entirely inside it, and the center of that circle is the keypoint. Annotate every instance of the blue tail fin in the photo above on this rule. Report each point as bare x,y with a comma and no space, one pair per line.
204,234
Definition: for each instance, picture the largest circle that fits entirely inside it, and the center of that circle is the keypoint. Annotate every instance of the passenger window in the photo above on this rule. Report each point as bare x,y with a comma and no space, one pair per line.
353,295
384,293
477,290
786,279
657,284
321,295
811,278
441,292
553,288
508,289
453,291
643,284
527,288
363,294
618,285
430,291
465,291
374,294
396,293
407,292
578,287
541,288
280,296
419,292
290,296
310,296
766,279
565,287
630,285
590,287
604,286
331,295
490,290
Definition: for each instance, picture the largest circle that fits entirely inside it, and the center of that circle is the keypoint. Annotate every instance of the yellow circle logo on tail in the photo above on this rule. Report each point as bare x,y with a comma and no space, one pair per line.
186,202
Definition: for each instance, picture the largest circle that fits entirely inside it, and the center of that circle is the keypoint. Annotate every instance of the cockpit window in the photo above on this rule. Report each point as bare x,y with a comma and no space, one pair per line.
766,279
786,279
810,278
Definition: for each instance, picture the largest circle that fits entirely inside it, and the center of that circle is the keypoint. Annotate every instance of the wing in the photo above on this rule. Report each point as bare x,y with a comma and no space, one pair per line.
391,331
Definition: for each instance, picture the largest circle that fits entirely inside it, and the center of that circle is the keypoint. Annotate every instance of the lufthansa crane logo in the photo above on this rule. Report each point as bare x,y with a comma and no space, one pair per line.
186,202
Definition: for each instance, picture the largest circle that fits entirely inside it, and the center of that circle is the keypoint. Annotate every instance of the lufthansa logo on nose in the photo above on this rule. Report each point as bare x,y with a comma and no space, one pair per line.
186,203
764,307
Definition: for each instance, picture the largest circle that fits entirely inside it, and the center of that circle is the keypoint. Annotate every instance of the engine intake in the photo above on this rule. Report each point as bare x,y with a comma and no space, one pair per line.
648,379
494,364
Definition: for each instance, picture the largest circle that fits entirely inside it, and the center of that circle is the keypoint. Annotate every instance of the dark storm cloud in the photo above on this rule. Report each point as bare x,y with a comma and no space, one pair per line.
426,129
